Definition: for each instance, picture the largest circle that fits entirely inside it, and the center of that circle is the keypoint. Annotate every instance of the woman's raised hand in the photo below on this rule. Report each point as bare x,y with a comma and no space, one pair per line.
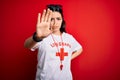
43,28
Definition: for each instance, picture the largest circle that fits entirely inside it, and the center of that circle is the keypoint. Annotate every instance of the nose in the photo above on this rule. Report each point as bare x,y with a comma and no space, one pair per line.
54,22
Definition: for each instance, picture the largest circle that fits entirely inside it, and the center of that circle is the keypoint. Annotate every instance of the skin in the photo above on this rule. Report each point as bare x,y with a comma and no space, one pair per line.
47,23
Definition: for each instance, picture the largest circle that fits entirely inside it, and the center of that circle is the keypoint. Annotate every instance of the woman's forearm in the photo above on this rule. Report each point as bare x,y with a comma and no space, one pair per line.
76,53
29,43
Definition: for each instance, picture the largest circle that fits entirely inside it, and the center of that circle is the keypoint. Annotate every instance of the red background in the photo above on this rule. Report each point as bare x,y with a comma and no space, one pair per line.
94,23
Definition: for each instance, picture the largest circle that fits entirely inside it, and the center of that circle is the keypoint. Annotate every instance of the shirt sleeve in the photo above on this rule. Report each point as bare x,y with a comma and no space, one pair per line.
75,44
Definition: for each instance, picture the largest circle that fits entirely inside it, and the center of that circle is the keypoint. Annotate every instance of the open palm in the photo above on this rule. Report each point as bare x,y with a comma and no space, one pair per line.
43,24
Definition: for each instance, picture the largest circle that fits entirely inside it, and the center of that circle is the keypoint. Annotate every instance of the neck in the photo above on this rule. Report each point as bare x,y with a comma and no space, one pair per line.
57,33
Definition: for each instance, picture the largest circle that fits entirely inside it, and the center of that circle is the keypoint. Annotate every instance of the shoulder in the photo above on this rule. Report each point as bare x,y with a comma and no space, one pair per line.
67,35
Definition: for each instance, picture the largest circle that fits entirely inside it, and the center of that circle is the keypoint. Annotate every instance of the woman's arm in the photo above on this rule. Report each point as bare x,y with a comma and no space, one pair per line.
29,43
42,29
76,53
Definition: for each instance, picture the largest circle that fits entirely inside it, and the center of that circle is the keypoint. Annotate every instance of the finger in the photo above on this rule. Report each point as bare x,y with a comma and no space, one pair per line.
49,16
38,19
51,31
43,15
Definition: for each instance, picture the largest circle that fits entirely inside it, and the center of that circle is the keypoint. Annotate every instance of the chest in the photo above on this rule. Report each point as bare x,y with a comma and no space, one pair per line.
56,48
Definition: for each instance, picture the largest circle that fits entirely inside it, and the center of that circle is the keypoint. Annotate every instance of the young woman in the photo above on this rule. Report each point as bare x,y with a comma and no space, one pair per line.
56,48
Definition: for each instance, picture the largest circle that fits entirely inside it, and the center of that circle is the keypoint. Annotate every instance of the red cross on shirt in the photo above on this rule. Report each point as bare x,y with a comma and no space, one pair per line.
61,54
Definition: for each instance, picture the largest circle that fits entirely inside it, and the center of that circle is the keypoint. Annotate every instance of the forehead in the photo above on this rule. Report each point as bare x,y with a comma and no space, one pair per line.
56,14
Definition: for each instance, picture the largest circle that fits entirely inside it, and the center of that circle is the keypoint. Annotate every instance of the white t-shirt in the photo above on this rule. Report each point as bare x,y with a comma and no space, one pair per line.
48,67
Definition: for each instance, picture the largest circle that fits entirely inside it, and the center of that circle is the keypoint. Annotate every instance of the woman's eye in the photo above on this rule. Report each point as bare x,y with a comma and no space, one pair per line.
58,18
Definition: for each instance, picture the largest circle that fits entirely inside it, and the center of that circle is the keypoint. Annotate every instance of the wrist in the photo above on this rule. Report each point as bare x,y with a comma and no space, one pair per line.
35,38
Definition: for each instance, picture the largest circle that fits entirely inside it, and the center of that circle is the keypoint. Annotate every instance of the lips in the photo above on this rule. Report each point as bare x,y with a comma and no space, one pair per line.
55,26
